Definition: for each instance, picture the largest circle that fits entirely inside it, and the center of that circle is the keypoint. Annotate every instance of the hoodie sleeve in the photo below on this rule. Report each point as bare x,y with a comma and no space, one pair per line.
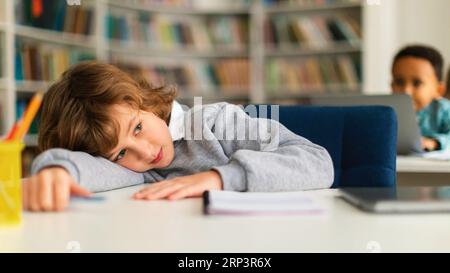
268,157
94,173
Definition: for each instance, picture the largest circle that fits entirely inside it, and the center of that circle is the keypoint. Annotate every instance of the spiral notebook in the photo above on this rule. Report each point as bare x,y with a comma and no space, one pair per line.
258,203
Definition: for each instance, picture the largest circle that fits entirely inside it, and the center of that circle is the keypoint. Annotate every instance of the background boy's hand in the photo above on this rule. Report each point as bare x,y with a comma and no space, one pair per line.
429,144
50,190
182,187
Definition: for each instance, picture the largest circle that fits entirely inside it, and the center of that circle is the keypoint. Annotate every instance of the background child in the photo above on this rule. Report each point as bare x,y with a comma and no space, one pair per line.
101,130
418,71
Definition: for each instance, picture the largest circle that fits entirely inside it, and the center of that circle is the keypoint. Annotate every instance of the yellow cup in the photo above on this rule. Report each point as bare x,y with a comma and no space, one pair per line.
10,183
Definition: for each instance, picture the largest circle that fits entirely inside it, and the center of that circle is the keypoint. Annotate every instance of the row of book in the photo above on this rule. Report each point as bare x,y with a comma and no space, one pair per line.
234,3
308,3
193,4
338,74
169,32
55,15
230,76
44,62
312,31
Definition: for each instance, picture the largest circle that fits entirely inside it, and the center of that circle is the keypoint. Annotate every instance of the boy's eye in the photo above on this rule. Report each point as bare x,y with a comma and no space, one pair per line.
398,82
417,83
121,154
138,128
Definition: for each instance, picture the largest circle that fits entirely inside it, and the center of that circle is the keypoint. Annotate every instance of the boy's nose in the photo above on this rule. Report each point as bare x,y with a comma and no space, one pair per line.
146,151
408,89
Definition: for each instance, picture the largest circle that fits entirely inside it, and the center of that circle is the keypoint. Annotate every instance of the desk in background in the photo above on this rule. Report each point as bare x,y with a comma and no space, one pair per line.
417,171
120,224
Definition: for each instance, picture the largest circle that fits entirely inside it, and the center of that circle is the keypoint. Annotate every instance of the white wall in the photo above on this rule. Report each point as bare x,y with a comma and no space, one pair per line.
395,23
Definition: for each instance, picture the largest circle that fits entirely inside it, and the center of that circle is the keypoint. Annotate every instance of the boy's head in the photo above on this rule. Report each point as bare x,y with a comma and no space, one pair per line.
99,109
417,71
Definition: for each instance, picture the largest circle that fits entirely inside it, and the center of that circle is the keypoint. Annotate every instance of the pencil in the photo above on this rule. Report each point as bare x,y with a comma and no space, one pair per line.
12,132
25,122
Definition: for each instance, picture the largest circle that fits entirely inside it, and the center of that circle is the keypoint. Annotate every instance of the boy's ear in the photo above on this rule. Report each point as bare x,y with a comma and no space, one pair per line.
441,89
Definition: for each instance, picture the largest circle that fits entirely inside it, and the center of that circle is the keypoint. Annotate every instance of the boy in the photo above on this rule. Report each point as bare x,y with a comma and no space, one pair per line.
418,71
101,130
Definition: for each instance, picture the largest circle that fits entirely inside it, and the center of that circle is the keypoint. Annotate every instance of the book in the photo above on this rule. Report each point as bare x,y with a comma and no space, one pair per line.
313,74
259,203
311,31
230,76
169,32
44,62
56,15
308,3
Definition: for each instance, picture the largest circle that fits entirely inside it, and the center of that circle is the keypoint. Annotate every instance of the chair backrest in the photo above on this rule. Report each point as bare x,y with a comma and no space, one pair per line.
361,140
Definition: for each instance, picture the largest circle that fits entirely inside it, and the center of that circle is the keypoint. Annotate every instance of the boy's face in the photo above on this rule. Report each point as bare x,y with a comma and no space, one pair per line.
144,140
416,77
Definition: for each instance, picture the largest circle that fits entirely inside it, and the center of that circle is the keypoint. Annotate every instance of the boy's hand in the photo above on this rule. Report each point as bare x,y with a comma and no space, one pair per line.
182,187
429,144
50,190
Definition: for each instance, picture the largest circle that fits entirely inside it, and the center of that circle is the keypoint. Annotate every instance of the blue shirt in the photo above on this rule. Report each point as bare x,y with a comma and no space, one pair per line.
434,122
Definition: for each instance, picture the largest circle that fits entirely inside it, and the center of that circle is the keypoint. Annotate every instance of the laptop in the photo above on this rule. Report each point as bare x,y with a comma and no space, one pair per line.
399,200
408,134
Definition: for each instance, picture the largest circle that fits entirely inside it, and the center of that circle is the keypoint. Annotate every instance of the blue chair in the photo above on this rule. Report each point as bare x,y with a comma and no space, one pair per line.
361,140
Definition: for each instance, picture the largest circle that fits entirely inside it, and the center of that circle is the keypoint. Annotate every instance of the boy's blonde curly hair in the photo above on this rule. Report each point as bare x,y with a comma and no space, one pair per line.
76,109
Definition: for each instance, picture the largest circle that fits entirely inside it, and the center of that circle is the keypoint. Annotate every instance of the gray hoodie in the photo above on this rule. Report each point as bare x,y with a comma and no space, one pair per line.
251,154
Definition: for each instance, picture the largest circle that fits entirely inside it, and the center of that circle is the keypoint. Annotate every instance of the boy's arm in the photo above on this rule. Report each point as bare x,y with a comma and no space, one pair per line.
93,173
442,137
443,140
276,160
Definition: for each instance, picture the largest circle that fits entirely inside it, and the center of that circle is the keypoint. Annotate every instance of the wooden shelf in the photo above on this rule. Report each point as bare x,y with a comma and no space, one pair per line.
142,49
301,94
217,93
332,49
180,10
32,86
307,9
221,97
55,37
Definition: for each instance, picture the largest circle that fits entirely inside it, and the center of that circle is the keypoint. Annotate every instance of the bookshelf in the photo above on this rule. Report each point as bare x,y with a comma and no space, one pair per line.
220,51
312,48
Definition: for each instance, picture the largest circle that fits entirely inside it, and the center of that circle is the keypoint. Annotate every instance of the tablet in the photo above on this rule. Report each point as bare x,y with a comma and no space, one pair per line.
399,200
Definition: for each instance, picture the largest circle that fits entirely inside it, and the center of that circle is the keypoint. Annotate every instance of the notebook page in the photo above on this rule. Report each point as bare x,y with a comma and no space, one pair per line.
228,202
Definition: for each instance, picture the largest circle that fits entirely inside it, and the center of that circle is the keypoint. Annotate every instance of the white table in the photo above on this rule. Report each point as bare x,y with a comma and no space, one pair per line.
414,164
417,171
120,224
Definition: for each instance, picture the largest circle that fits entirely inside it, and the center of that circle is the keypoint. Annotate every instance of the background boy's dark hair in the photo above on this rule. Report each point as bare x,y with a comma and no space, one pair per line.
424,52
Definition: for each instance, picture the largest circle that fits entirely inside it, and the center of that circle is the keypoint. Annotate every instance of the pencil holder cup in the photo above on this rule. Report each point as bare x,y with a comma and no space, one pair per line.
10,183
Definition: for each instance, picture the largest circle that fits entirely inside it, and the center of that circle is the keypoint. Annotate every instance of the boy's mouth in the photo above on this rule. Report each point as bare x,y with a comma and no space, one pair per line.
158,157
